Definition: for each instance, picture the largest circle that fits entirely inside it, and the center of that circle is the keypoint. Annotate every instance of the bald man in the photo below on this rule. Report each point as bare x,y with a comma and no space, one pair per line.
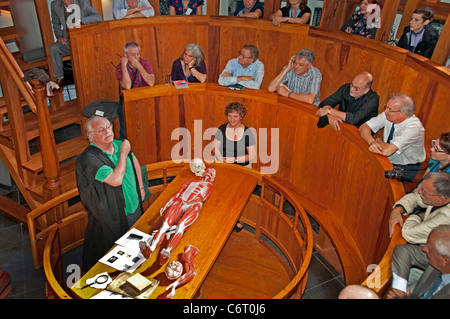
357,103
357,292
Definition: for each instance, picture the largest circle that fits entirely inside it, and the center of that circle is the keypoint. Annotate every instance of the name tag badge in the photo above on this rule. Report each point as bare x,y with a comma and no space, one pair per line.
188,11
99,113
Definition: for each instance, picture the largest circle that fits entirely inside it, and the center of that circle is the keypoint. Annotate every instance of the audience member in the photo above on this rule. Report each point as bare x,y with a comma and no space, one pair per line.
124,9
420,37
245,70
357,292
111,188
359,24
185,7
191,65
434,258
249,9
302,77
132,72
357,103
296,11
440,154
427,207
403,136
234,142
63,18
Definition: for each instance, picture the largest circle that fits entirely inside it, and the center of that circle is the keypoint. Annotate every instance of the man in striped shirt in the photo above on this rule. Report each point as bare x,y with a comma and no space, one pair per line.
302,78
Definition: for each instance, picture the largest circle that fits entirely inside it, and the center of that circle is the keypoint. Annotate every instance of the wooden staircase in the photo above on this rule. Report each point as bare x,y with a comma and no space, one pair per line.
51,170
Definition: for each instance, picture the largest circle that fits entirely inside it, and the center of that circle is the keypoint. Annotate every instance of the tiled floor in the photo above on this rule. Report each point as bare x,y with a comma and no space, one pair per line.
15,253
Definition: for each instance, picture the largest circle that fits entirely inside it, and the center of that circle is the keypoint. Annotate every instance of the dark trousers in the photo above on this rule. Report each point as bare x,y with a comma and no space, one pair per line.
409,171
133,218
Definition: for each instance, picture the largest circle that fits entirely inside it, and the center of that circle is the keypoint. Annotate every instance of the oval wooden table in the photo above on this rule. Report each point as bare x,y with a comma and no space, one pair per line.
209,233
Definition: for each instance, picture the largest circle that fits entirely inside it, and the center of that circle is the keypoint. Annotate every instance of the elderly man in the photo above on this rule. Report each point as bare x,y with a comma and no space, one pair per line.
111,188
428,207
302,78
67,14
125,9
434,258
132,72
245,70
357,103
403,136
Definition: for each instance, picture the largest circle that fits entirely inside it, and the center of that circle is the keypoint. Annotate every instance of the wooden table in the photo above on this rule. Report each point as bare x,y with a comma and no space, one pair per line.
209,233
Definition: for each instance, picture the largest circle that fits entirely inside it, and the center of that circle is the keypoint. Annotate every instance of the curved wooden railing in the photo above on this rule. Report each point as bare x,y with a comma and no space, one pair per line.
296,242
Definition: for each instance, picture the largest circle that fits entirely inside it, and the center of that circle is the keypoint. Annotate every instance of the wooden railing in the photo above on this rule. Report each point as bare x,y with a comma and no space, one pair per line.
291,233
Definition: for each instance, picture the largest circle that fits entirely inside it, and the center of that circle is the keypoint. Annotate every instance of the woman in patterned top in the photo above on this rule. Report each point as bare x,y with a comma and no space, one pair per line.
358,24
185,7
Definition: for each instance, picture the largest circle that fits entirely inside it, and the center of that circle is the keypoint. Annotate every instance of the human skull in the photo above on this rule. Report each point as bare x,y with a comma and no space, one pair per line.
197,166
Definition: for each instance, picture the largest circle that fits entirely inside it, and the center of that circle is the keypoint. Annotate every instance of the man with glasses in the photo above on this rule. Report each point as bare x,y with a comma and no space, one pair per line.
302,78
426,207
403,135
110,184
245,70
132,72
357,103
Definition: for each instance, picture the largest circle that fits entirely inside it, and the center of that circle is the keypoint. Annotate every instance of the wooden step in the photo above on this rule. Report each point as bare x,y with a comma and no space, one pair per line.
67,115
9,33
64,150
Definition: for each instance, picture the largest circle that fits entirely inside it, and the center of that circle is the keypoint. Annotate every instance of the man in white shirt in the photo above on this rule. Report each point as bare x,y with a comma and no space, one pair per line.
124,9
403,136
245,70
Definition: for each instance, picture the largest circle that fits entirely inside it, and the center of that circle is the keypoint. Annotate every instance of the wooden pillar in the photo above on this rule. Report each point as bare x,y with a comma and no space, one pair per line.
442,50
388,14
52,186
328,10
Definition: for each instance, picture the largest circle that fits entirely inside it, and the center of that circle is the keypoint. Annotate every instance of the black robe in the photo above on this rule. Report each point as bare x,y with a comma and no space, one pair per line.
105,205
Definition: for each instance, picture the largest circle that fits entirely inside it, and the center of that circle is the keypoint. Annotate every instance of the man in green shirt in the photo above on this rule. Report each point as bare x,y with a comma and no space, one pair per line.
111,188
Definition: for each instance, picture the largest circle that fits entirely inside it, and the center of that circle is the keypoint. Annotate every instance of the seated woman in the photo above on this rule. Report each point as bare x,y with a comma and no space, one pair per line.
358,24
185,7
296,11
234,142
190,66
249,9
440,154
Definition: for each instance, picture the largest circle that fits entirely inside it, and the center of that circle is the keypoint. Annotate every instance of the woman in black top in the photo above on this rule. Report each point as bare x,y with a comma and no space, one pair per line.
234,142
296,11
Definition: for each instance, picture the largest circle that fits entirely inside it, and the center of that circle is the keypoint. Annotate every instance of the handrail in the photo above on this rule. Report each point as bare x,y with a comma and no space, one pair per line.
17,75
52,282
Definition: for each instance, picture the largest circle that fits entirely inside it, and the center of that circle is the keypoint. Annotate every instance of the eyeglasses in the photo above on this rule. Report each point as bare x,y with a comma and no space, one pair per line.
387,108
425,193
437,150
103,130
352,86
244,57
